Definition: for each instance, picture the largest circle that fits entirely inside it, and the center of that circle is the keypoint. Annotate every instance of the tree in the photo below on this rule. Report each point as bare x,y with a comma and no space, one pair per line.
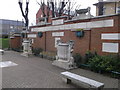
25,15
58,8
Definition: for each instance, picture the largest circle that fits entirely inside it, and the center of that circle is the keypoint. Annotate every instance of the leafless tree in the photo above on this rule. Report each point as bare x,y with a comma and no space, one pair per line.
58,8
48,10
42,6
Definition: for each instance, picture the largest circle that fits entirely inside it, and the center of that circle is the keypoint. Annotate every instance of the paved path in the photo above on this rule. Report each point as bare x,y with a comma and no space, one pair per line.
34,72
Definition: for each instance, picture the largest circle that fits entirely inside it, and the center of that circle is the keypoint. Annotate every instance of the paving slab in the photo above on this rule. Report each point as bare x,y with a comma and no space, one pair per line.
35,72
31,72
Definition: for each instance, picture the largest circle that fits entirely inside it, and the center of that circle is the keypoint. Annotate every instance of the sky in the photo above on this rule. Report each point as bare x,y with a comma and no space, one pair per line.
9,9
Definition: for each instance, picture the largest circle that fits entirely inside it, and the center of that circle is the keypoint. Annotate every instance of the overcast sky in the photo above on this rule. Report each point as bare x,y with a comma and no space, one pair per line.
9,9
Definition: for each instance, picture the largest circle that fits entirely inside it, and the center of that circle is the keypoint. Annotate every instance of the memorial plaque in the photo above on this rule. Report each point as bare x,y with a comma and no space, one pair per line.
63,51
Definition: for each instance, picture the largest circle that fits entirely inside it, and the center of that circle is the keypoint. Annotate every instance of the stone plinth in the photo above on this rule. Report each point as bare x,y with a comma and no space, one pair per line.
26,48
64,57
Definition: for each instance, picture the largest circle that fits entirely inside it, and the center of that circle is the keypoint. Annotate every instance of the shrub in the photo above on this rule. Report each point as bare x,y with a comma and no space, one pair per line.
77,59
36,51
89,55
105,63
17,49
93,63
114,65
4,36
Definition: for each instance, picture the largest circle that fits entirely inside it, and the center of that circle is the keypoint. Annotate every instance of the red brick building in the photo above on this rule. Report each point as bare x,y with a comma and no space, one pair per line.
101,34
40,17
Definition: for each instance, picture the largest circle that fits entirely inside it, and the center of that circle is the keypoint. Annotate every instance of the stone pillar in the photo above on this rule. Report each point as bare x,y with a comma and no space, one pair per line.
26,48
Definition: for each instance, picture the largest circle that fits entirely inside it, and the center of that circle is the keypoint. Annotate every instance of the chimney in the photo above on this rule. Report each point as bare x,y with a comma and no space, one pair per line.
100,7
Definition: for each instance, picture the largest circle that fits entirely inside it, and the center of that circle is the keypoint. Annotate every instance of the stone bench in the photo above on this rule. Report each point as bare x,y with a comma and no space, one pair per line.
1,51
80,80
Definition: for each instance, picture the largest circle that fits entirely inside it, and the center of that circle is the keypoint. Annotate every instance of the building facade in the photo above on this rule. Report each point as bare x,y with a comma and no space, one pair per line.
101,34
10,26
107,7
41,19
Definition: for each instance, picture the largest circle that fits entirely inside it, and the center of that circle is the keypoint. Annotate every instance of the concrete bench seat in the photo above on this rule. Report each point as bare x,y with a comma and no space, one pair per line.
1,51
89,83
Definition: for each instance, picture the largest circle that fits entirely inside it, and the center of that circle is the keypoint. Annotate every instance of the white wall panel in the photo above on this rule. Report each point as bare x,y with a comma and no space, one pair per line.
111,36
94,24
32,35
82,25
89,25
58,22
72,26
97,24
75,26
62,27
57,34
110,47
66,26
108,23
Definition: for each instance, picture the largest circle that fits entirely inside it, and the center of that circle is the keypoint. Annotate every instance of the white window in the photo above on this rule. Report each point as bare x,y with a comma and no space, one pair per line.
56,40
11,27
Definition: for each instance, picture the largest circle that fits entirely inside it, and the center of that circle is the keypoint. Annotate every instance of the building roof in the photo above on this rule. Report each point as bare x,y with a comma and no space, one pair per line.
111,1
93,17
108,1
11,22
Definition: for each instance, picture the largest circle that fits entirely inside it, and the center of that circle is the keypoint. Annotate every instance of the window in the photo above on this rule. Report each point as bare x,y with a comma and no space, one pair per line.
104,9
11,27
118,10
41,15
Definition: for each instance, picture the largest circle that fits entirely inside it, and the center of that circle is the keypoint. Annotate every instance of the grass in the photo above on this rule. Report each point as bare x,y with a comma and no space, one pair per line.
4,43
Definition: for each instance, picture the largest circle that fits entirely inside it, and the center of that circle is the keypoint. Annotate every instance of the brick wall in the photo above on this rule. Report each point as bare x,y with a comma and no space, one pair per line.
15,42
96,41
92,39
81,44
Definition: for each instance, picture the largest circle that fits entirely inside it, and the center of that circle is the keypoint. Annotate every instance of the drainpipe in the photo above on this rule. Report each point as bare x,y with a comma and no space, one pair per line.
119,49
45,41
118,36
90,40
